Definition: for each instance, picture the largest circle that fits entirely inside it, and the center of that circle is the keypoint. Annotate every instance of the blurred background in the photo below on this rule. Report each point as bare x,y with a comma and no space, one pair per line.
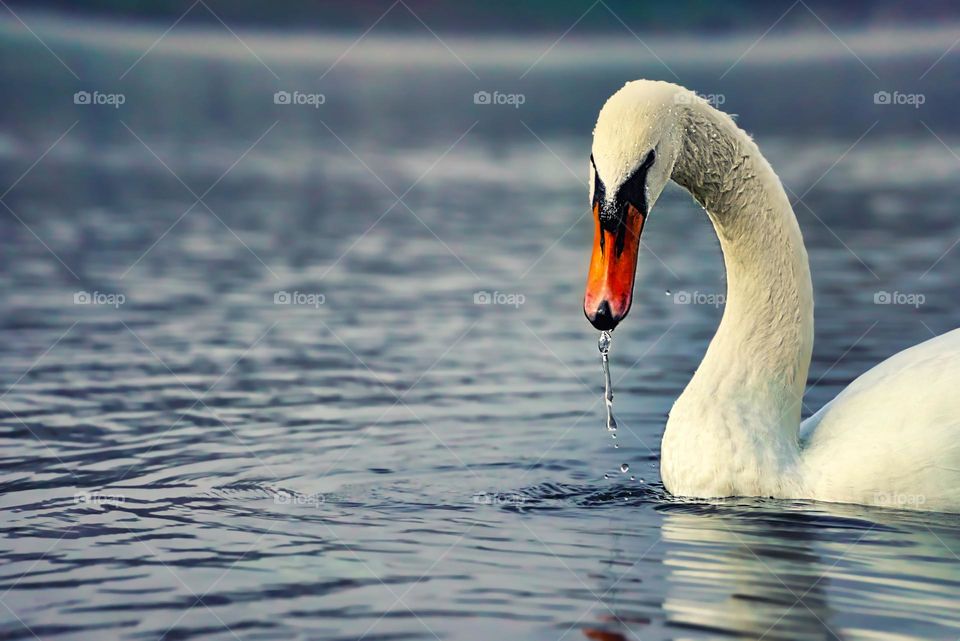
292,339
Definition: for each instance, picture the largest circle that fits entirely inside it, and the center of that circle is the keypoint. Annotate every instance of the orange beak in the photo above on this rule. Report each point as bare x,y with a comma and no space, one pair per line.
613,268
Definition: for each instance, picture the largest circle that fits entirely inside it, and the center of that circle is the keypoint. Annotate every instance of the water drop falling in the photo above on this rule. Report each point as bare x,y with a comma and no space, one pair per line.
669,293
633,478
603,344
606,476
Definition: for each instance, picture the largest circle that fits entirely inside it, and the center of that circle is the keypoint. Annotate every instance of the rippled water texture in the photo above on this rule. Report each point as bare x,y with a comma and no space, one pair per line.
299,422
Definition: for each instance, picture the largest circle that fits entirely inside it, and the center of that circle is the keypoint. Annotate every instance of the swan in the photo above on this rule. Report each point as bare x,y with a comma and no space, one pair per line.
891,438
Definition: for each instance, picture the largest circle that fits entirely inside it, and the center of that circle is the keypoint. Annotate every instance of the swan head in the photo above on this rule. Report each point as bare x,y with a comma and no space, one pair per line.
636,143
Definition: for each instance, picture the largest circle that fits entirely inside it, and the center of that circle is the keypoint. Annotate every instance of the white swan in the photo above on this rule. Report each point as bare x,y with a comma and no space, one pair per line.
891,438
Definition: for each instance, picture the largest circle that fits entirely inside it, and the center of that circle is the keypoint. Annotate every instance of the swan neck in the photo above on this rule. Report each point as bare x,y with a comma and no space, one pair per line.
761,351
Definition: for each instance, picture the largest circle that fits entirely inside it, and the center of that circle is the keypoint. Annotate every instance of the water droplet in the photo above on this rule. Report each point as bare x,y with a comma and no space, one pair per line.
603,343
624,467
642,481
669,293
633,478
606,476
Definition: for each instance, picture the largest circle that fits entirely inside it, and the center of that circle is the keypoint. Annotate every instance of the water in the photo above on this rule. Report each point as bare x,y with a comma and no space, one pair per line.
222,455
603,344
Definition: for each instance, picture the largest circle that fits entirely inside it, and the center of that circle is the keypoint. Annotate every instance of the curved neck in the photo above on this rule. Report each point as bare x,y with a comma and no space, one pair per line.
759,357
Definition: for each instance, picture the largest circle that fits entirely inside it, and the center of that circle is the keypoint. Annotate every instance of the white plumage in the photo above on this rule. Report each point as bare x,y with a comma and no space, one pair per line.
891,438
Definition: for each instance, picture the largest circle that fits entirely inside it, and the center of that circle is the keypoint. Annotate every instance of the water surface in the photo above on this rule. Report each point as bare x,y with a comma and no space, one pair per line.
382,457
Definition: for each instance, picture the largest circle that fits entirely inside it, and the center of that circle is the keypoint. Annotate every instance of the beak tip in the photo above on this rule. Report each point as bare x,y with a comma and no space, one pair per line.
603,317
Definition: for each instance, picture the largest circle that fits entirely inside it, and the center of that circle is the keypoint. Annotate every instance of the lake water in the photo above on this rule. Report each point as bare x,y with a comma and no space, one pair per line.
282,413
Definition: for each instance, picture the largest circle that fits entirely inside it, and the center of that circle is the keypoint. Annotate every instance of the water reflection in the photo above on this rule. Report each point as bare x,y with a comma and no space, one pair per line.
782,571
732,575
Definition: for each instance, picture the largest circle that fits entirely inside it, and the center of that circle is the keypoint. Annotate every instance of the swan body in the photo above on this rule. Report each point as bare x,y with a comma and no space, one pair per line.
892,438
893,435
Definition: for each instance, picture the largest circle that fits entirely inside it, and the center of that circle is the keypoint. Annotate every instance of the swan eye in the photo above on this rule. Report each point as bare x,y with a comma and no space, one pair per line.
634,189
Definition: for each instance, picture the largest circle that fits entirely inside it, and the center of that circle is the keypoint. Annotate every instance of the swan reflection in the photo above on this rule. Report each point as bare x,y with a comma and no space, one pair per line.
791,574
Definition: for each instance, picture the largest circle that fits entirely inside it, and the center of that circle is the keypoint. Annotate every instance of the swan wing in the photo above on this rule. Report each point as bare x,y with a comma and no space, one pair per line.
893,435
